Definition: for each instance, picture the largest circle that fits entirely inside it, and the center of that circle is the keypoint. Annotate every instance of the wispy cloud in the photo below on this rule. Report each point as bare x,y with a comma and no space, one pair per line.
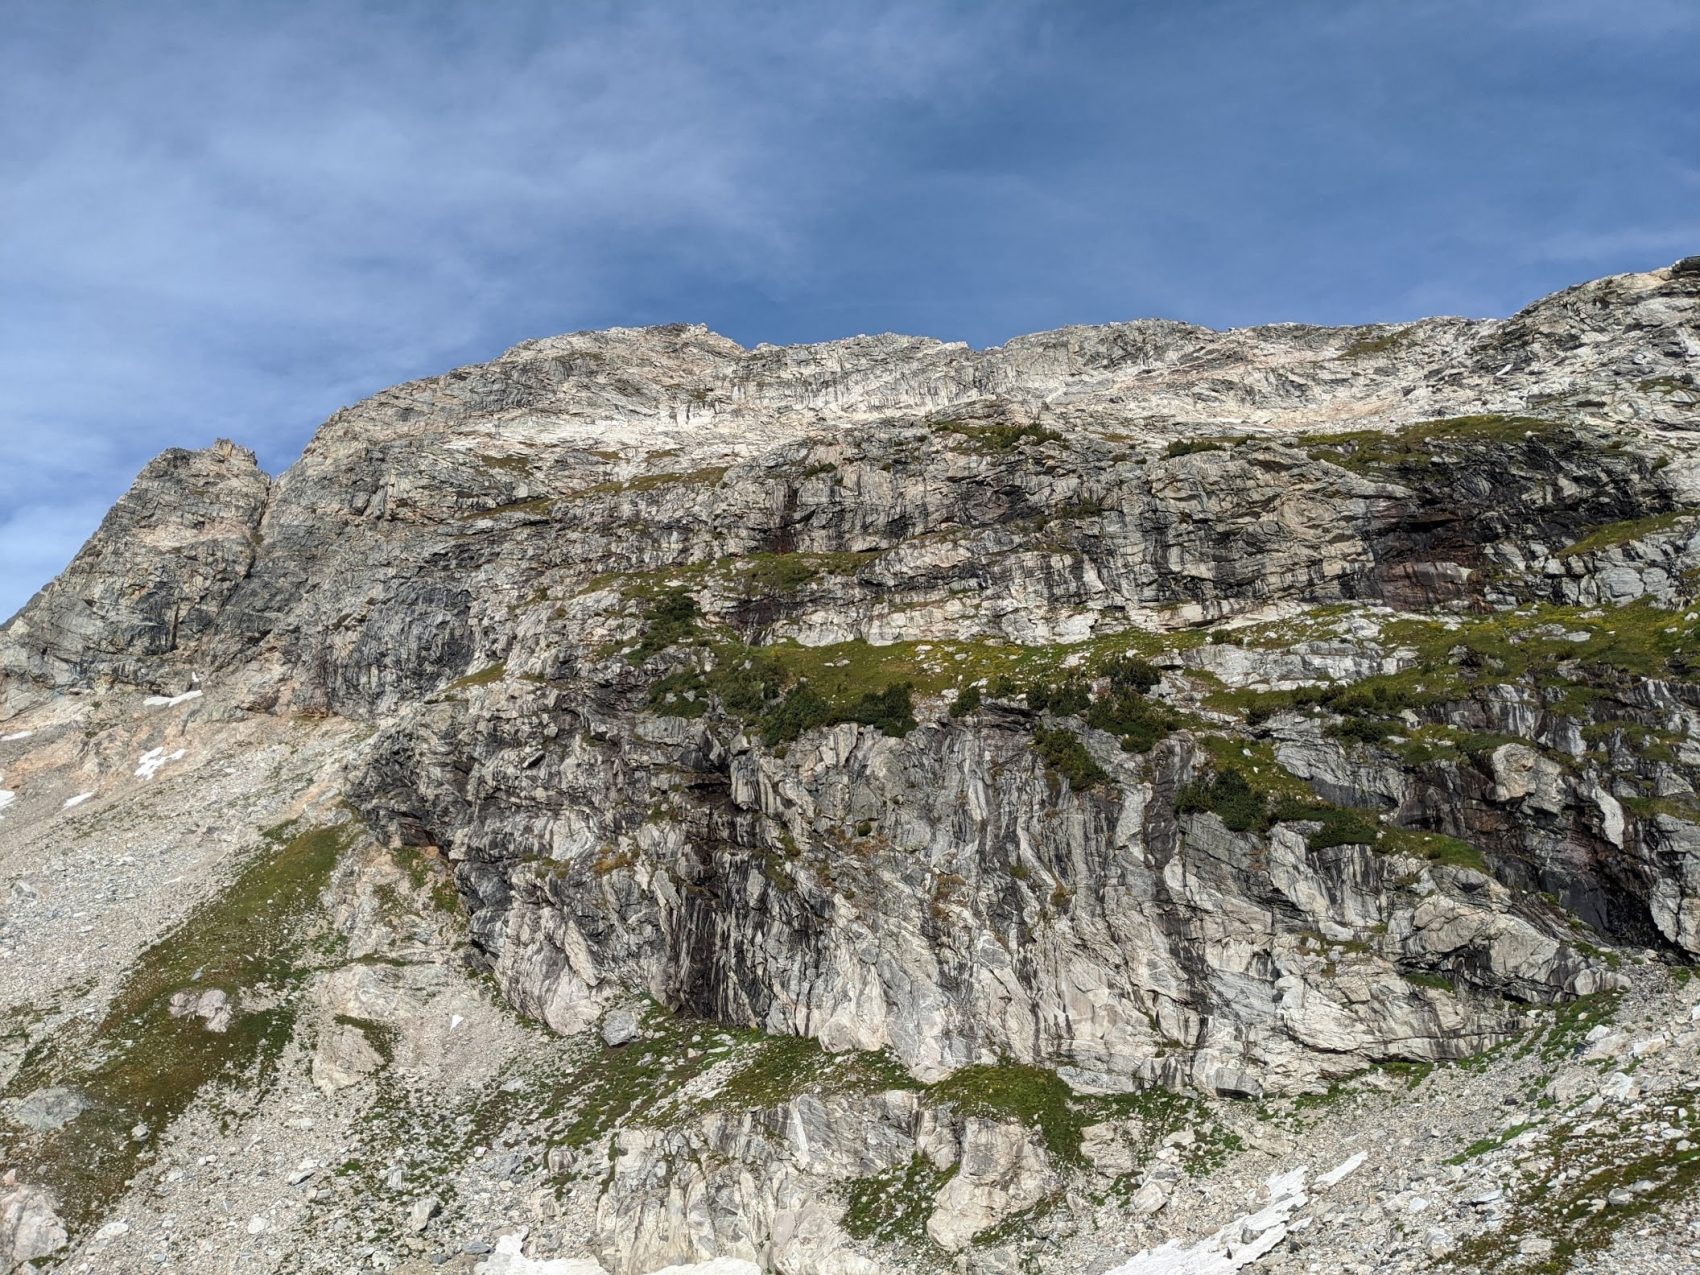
231,219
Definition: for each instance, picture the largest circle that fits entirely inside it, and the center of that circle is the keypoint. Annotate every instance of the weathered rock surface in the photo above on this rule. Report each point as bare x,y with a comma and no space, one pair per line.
29,1228
1120,711
150,584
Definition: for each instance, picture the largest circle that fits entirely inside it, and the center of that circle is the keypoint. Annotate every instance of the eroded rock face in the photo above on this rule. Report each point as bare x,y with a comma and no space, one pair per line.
1003,1169
29,1228
1144,704
755,1185
149,585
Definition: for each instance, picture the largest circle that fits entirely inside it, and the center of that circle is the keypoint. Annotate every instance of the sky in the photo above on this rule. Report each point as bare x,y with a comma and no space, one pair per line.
231,219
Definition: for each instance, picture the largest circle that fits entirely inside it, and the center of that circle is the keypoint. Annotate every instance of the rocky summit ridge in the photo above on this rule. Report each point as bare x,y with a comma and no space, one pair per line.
1139,798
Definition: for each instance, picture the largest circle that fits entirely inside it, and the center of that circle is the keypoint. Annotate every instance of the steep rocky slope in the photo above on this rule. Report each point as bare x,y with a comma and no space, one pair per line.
878,805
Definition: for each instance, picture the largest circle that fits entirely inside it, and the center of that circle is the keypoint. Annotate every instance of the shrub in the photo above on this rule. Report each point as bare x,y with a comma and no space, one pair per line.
1230,798
892,710
1066,757
967,700
1065,699
670,617
991,438
1364,730
1192,446
802,709
1130,673
1340,825
1135,720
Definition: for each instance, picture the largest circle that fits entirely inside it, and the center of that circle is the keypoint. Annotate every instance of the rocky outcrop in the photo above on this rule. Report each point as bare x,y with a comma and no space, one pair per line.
1143,706
150,584
29,1228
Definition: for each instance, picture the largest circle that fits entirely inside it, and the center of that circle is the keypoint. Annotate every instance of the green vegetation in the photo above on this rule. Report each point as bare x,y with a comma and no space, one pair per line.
758,686
521,466
892,710
1252,794
141,1065
1481,1146
1066,757
669,618
1041,1100
1436,847
1572,1021
644,1082
1193,446
967,701
1620,533
1368,450
1684,808
991,438
707,477
1038,1098
1573,656
1577,1173
1381,343
771,574
430,876
893,1207
784,688
1665,384
1122,709
483,677
1230,798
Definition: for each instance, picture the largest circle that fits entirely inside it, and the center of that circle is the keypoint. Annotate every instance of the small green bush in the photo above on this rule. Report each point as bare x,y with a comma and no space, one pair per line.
802,709
1066,699
670,617
892,710
1130,673
967,700
993,438
1363,730
1132,718
1066,757
1192,446
1230,798
1339,825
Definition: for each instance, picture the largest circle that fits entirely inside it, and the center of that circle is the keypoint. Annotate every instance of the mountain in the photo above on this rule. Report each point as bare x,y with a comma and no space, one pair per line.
1140,798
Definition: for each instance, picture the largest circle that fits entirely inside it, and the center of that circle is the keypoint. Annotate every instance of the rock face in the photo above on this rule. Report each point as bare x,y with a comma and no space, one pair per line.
1139,705
152,581
29,1228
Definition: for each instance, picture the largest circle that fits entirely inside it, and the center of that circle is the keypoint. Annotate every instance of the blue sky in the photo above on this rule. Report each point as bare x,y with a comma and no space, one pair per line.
230,219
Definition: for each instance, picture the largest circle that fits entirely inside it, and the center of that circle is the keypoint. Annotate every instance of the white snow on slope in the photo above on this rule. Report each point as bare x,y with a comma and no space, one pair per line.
509,1259
1347,1166
149,763
72,803
170,701
1243,1240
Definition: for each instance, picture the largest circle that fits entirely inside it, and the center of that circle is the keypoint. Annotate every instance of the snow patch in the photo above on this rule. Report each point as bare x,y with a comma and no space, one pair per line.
149,763
7,798
16,735
1345,1167
1237,1244
71,803
509,1259
170,701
